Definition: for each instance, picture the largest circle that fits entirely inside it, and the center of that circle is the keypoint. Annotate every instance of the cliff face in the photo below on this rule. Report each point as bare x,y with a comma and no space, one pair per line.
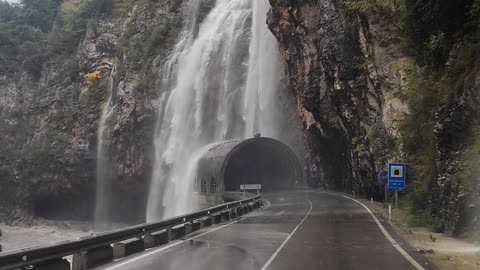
355,84
49,123
454,200
345,81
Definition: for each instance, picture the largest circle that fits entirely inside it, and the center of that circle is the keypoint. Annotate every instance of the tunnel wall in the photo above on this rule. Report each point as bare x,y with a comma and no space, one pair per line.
260,160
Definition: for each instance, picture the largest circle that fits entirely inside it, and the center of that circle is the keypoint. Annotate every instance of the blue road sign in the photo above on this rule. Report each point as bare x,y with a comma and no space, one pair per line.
397,174
383,177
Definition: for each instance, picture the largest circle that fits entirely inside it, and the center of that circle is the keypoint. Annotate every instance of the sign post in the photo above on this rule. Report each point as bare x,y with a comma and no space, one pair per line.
396,198
383,179
397,174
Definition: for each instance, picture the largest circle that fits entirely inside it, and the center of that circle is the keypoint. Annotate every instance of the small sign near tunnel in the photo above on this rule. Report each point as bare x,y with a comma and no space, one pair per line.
250,187
396,175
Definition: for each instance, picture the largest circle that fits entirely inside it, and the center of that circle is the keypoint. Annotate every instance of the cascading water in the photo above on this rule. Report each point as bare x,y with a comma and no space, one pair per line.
260,101
104,177
217,85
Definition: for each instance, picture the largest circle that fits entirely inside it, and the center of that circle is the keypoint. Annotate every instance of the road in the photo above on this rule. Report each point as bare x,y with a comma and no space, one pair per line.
295,230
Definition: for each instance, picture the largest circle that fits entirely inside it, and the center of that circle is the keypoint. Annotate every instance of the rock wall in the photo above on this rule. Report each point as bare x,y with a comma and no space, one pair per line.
49,126
345,79
455,202
350,74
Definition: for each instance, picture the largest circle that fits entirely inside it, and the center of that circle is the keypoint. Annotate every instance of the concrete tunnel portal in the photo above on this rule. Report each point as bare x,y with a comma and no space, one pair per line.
261,160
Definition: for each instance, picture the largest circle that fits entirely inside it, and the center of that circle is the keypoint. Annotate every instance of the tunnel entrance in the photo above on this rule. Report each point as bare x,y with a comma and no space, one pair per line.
260,163
264,161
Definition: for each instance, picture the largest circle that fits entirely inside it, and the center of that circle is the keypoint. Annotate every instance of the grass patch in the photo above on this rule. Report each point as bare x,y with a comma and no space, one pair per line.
417,218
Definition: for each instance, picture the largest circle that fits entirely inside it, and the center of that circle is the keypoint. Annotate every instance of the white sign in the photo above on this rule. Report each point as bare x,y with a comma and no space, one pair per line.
250,186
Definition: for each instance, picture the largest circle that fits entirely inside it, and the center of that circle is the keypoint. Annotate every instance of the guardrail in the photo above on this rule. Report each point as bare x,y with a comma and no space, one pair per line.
92,251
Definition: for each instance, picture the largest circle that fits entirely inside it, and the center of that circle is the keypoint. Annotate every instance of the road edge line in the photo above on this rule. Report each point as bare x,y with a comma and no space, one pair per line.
390,239
274,255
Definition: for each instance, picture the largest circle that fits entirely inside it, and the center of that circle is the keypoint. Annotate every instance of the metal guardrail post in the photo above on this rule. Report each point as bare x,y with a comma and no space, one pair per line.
188,228
169,235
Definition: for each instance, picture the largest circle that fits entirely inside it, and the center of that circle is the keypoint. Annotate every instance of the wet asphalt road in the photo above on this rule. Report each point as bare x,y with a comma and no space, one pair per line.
336,233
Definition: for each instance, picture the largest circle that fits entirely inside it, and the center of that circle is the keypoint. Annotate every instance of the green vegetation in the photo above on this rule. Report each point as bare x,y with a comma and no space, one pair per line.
383,8
378,139
39,149
471,160
23,28
360,148
140,48
418,218
98,90
34,30
43,147
63,118
444,38
432,28
417,133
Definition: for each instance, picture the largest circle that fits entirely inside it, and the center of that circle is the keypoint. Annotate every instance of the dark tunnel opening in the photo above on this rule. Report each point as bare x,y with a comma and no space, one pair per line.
269,163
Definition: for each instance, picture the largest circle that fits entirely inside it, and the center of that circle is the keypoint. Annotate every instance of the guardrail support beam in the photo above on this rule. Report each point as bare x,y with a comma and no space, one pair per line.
205,222
55,264
92,258
240,211
127,247
179,231
196,226
188,228
155,239
225,216
216,218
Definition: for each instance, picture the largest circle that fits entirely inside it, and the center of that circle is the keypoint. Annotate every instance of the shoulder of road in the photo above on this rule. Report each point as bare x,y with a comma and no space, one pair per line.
443,251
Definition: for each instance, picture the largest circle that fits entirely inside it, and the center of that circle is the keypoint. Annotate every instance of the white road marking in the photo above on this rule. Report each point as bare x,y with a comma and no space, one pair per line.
267,264
389,237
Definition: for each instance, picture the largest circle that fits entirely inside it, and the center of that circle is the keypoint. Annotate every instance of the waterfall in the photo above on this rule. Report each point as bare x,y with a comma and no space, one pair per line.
104,168
216,86
261,107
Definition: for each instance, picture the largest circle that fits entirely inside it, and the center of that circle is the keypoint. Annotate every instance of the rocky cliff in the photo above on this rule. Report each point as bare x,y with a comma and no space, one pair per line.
366,99
49,120
345,80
